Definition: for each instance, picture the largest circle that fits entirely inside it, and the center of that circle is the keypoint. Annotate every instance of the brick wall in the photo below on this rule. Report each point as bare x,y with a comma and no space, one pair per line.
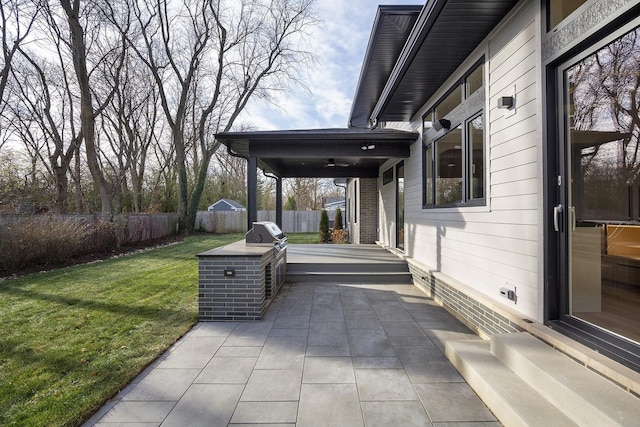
368,201
479,317
241,296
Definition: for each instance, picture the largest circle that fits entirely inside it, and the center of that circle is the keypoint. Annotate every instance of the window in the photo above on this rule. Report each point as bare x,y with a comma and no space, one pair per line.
454,158
387,176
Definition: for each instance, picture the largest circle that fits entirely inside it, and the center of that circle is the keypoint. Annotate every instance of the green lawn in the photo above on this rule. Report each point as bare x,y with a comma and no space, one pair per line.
71,338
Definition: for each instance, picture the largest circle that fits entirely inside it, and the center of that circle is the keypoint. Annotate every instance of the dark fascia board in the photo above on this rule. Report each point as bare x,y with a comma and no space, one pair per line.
428,19
424,24
372,79
316,134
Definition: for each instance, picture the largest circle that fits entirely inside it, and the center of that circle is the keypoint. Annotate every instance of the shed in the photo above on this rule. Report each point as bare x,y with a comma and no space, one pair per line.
227,205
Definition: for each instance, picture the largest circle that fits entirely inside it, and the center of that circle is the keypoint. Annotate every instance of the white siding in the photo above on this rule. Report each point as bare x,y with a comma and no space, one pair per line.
499,244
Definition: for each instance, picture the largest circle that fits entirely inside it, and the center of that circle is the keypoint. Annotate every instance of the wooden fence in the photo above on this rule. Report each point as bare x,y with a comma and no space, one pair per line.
236,222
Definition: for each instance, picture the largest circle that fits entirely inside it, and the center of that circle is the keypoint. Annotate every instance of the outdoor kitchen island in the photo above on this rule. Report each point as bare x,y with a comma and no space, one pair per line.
237,282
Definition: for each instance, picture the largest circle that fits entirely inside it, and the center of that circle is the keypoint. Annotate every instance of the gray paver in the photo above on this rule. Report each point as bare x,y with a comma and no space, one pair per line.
453,402
138,412
265,412
273,385
384,384
227,370
329,405
151,388
327,354
401,413
336,370
205,405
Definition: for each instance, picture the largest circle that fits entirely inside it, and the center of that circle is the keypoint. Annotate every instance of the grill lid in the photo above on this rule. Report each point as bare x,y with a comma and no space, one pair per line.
265,232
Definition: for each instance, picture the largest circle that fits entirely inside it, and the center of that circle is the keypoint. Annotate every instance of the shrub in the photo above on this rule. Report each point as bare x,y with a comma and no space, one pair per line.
324,227
337,221
339,235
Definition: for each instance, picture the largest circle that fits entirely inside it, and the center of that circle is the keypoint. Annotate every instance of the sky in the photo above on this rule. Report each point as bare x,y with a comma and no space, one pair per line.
340,42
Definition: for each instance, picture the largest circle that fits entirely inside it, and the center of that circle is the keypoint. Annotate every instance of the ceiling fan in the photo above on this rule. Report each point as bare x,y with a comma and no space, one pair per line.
331,163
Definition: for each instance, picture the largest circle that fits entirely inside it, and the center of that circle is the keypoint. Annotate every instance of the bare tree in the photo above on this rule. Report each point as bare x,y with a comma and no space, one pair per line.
208,58
16,21
98,55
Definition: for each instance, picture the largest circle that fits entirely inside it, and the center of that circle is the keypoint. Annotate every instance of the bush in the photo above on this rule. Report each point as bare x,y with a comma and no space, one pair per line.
324,227
337,221
339,235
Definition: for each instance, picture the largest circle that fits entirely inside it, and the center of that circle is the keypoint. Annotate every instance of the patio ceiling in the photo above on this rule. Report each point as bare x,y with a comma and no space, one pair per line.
445,33
321,153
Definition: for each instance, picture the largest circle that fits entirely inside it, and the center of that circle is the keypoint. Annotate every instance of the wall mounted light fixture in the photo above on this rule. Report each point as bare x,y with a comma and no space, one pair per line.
506,102
438,125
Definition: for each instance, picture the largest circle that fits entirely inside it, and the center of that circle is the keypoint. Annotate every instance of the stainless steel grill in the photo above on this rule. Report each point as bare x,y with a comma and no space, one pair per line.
266,233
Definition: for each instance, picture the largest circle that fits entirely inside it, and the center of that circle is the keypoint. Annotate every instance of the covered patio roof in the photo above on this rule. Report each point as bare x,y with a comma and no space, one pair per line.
320,153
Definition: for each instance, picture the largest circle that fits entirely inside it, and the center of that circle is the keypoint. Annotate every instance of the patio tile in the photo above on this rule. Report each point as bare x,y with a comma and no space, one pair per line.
440,337
469,424
273,385
391,311
427,365
453,402
324,405
138,412
227,370
370,342
265,412
400,413
291,322
325,313
384,384
191,353
402,329
332,334
362,319
430,314
212,329
249,334
329,297
296,307
326,350
153,386
205,405
232,351
411,341
289,332
283,353
373,362
327,370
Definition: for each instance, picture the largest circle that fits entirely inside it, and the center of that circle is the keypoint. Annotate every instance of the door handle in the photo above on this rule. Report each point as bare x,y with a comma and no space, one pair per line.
572,210
557,211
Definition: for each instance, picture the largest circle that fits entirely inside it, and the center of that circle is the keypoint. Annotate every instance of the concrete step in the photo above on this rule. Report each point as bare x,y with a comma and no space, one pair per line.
349,277
583,395
358,272
367,268
525,382
507,395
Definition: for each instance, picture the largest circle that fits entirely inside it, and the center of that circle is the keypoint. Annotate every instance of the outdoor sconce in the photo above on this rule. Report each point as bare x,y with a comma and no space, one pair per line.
506,102
442,124
368,147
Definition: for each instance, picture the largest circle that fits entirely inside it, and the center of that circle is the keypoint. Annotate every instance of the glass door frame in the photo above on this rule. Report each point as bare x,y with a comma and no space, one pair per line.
557,310
400,235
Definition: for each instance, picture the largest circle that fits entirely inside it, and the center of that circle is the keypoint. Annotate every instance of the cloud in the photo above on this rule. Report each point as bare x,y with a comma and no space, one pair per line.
340,42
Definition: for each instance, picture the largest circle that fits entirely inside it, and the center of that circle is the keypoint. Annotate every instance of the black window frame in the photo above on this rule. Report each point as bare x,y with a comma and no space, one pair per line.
429,145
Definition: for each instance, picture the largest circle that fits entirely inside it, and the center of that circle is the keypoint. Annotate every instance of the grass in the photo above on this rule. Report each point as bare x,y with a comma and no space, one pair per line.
71,338
303,238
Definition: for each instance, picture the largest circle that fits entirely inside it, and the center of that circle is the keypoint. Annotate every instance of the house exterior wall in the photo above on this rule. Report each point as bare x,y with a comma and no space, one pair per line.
500,244
362,218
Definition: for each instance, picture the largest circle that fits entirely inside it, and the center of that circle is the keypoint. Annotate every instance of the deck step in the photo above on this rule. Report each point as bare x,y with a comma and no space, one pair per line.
383,272
525,382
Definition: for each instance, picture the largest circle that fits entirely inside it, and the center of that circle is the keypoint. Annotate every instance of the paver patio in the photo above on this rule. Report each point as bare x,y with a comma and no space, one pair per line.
326,354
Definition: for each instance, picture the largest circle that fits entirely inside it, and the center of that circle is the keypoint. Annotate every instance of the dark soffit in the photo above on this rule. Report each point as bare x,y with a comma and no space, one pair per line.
306,153
446,32
391,29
